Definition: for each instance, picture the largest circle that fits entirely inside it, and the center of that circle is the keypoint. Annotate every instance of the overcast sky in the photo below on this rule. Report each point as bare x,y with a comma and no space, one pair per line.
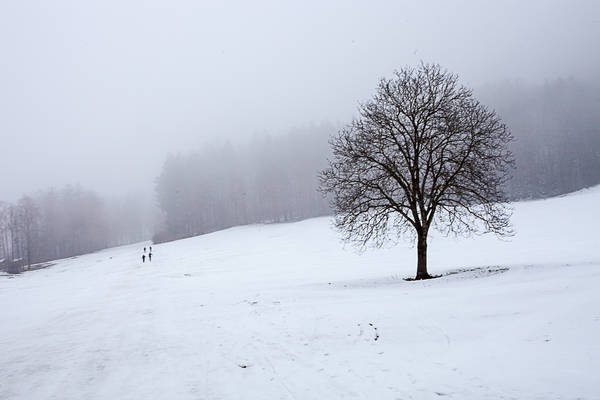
98,92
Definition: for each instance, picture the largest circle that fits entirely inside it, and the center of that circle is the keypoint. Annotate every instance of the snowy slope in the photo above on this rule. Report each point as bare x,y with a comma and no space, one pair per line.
284,312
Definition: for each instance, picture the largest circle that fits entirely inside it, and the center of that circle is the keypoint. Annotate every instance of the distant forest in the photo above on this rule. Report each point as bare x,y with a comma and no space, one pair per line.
54,224
270,179
274,179
557,135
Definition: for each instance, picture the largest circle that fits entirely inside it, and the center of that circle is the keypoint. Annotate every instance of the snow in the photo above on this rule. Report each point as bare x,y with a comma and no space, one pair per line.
287,312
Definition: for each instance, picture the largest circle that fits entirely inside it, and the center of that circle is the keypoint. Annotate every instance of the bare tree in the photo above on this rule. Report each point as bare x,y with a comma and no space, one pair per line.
15,245
29,217
423,153
4,235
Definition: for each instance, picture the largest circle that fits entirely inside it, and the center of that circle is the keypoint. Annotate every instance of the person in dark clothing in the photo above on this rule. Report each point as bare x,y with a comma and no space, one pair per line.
145,249
150,249
150,257
143,258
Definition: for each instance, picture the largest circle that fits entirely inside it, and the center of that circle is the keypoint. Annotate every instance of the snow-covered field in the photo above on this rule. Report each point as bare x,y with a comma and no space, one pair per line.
286,312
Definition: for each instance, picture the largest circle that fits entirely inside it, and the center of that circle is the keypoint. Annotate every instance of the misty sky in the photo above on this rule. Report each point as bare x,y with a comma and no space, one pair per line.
98,92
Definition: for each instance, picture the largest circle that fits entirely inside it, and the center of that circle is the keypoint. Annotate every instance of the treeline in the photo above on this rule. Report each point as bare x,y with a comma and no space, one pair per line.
557,135
269,179
54,224
273,179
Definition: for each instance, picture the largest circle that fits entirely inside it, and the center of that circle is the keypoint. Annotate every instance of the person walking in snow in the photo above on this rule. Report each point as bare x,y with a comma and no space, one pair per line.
150,257
143,258
150,249
145,249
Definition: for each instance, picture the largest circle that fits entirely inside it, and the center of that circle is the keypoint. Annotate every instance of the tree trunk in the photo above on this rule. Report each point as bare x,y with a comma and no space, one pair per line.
422,257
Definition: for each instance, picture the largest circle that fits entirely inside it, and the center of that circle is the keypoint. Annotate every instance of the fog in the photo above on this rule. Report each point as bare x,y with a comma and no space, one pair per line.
99,93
